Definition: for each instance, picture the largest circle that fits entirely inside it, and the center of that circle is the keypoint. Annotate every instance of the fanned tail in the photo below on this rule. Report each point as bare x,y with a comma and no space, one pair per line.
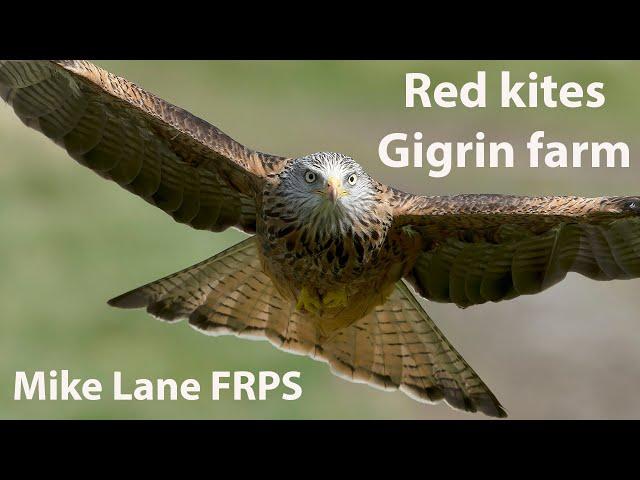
397,346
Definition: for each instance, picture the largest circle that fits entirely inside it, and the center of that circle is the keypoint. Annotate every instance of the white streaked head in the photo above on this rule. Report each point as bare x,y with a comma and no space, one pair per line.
328,189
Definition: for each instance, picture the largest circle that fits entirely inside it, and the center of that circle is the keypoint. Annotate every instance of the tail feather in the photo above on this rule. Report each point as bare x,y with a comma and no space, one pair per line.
397,346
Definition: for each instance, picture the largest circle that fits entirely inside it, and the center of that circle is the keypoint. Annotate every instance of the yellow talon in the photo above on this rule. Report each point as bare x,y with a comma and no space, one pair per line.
335,298
308,301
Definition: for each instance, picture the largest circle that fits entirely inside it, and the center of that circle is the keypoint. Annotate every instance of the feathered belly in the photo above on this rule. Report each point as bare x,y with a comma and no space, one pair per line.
343,279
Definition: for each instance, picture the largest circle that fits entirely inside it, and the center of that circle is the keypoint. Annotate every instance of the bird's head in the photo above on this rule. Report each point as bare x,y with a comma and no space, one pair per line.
328,188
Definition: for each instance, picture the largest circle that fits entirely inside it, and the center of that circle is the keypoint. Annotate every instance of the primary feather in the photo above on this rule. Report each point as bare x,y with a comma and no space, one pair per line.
328,236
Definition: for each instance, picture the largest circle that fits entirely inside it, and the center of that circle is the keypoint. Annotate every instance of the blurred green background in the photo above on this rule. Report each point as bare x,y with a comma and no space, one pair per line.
69,241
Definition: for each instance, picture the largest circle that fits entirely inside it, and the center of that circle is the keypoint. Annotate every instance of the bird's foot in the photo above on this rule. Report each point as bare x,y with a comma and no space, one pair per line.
335,298
309,301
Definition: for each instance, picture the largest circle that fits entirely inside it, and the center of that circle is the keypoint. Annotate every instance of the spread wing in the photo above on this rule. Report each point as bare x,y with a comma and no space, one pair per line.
479,248
160,152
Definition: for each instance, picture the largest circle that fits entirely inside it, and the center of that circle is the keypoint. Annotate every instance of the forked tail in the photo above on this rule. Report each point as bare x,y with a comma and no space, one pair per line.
397,346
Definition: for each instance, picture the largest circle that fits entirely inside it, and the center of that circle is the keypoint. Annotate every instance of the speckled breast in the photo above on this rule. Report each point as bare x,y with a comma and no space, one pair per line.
365,259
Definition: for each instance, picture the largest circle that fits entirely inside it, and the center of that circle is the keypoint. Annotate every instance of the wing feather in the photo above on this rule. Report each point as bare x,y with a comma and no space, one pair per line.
480,248
160,152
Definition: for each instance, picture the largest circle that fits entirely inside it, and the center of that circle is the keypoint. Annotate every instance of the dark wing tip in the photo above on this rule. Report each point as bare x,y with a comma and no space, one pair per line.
631,205
488,404
132,299
628,206
493,409
485,403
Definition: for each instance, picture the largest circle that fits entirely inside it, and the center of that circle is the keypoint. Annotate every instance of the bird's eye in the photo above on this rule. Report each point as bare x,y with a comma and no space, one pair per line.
352,179
310,177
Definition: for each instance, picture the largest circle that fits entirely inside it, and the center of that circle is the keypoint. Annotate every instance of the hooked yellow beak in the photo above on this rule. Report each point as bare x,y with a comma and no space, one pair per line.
334,189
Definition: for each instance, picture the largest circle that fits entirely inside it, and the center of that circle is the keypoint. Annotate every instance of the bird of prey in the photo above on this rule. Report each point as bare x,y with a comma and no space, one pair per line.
334,255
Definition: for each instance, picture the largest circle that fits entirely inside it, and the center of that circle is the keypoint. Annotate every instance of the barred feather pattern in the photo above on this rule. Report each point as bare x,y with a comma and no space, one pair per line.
397,346
519,262
441,217
162,153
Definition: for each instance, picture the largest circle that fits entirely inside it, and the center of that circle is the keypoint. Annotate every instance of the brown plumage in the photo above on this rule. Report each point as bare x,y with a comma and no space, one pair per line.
326,273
